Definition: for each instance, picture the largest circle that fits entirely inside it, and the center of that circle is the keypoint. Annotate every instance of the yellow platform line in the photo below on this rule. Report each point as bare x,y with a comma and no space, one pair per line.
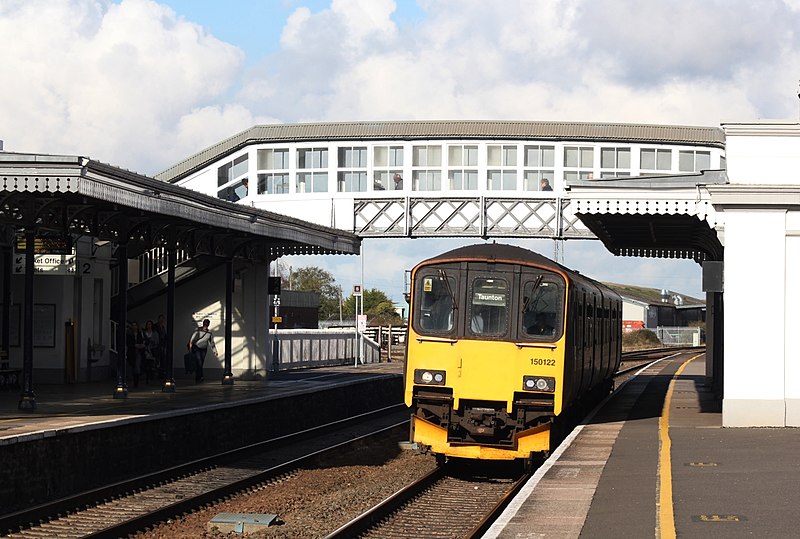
665,520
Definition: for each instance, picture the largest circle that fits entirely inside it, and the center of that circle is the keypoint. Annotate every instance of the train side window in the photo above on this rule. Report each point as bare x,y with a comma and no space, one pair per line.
488,308
435,299
541,308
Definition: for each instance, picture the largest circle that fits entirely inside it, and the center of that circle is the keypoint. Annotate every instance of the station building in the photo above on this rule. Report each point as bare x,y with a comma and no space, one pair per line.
732,190
644,190
650,308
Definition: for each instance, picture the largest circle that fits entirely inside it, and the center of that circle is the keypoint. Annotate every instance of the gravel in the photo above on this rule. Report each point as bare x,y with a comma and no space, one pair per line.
317,500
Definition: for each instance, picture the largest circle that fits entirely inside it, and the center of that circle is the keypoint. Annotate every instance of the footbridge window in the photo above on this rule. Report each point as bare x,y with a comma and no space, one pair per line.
578,163
615,162
312,176
502,160
276,162
232,176
693,161
656,160
539,165
352,176
387,161
462,171
427,173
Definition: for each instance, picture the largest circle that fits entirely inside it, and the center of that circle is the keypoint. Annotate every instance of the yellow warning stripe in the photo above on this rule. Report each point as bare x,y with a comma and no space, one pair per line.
665,525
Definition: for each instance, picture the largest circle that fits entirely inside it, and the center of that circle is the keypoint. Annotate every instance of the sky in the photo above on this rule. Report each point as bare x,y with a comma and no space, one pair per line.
142,84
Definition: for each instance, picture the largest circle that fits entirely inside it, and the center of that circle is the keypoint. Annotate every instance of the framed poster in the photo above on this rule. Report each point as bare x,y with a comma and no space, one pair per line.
13,326
44,325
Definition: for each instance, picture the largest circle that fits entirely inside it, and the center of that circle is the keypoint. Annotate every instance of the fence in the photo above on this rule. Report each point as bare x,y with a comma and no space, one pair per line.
302,348
681,336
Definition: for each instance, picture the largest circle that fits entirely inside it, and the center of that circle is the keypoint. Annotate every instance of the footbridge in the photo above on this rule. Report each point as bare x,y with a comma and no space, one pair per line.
657,216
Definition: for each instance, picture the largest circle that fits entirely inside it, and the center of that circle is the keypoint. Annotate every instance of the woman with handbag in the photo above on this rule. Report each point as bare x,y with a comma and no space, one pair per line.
202,339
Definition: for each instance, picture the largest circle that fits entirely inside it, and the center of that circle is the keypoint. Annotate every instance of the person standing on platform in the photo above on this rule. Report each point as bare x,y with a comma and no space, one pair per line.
199,344
134,351
151,351
161,328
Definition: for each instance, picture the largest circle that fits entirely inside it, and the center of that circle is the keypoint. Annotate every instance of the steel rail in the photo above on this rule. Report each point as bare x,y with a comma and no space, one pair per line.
41,514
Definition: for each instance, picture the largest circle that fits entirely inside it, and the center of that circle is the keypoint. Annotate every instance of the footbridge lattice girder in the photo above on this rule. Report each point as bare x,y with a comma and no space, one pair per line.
476,216
641,222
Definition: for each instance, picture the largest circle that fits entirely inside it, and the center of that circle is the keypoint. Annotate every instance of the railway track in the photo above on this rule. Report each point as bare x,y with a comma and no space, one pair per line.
444,504
448,502
655,353
634,360
125,508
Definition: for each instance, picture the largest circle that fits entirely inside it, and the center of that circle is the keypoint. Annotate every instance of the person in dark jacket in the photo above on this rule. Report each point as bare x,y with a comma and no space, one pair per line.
202,339
134,351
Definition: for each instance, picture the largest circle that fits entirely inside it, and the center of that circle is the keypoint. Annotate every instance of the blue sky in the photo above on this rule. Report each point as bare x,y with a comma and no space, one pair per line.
142,84
255,26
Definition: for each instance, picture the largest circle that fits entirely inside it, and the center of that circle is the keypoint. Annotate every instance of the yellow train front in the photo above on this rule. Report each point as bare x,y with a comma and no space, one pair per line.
504,348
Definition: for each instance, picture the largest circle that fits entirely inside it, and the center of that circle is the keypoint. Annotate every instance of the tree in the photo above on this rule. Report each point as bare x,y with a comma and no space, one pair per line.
377,306
314,279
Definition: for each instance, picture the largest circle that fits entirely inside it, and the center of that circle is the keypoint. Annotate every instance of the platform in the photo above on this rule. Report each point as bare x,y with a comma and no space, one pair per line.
62,408
634,471
79,437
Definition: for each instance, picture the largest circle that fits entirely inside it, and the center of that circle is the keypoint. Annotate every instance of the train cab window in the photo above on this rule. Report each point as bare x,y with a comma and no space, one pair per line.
436,303
488,307
541,308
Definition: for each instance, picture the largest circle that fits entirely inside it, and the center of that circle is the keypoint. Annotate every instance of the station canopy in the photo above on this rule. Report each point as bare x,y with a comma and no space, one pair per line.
62,196
652,229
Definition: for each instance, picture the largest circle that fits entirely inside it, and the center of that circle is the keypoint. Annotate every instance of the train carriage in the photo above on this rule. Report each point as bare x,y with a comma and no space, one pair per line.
504,347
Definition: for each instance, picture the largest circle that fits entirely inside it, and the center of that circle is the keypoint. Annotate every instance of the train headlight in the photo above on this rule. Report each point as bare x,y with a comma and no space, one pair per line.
546,384
429,377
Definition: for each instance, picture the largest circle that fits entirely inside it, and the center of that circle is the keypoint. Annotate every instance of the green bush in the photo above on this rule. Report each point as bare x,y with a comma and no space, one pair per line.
640,339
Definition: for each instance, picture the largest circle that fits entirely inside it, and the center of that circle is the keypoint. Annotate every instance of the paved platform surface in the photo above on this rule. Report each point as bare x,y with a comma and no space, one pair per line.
639,469
61,407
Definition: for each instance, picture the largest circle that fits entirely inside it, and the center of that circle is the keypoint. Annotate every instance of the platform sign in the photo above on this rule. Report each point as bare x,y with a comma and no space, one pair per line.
362,323
48,264
47,246
357,290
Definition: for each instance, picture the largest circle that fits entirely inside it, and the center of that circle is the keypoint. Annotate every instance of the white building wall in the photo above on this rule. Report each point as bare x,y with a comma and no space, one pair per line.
792,321
72,297
631,311
762,263
754,353
204,297
763,153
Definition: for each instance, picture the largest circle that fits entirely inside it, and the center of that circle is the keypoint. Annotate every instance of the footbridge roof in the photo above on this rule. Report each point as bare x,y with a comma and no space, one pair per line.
447,129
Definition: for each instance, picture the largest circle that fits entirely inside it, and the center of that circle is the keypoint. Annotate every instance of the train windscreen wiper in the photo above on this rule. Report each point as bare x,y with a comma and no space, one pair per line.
443,277
529,299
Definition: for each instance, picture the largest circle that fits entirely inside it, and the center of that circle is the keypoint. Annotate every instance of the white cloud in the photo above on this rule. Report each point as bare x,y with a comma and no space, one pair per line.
113,81
609,60
133,84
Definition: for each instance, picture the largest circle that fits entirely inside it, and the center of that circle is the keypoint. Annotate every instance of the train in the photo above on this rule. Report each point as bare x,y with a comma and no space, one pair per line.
506,349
